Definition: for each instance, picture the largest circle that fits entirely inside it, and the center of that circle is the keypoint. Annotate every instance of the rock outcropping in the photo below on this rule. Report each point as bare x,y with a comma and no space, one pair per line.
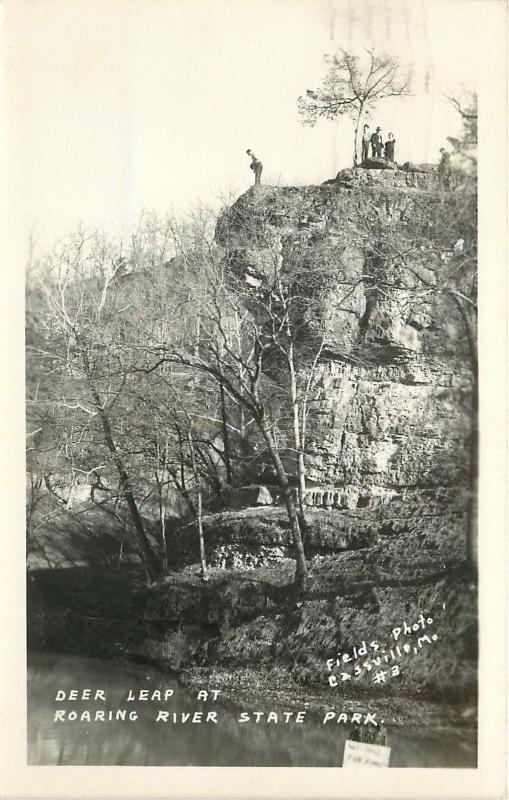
391,405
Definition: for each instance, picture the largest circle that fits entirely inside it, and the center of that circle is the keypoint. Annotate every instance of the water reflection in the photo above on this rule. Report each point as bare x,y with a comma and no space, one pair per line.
145,742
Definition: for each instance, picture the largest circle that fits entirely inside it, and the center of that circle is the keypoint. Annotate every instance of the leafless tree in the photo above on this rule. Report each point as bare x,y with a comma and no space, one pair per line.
251,337
465,145
352,86
89,374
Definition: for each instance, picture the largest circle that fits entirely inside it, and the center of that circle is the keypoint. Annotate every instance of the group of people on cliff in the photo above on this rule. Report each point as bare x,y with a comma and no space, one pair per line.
379,148
385,150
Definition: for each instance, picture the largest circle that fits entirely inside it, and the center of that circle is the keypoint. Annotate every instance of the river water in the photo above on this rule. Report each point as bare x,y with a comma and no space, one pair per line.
147,742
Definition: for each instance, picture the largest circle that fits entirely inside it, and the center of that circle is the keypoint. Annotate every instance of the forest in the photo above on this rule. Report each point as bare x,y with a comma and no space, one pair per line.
252,435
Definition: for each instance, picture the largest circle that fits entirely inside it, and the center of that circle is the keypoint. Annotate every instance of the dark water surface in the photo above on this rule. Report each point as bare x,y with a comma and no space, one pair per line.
145,742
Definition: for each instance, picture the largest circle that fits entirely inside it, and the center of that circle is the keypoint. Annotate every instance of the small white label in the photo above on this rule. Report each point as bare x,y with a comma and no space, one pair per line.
359,754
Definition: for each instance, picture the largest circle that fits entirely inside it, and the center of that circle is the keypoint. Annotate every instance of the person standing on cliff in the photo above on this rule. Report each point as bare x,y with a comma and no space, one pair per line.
256,166
366,138
377,144
389,147
444,168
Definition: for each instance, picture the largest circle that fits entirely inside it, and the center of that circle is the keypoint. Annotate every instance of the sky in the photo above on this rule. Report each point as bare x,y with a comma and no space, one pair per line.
119,105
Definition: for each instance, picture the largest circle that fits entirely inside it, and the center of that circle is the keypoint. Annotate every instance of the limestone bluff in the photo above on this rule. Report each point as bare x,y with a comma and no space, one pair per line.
391,417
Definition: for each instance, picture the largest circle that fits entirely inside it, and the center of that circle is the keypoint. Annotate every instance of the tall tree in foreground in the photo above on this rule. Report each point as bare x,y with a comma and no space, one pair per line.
352,86
232,343
259,334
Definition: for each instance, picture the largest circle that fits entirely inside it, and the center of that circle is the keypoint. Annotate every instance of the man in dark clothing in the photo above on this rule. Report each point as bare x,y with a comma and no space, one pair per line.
389,147
365,143
256,166
377,144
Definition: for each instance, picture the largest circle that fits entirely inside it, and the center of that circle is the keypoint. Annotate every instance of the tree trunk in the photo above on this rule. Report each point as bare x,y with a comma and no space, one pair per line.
33,500
182,463
356,139
472,532
149,558
299,449
162,516
301,475
199,507
301,470
226,437
201,539
197,343
301,570
472,529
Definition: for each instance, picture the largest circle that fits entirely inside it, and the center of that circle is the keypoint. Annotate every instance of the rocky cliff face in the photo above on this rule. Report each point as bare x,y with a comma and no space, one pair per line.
390,412
381,431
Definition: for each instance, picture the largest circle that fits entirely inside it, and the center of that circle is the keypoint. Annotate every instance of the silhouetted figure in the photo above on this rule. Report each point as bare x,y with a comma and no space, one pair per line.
377,144
389,147
256,166
366,138
444,168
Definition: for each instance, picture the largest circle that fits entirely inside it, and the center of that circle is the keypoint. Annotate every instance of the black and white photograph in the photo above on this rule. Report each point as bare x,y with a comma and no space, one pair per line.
252,382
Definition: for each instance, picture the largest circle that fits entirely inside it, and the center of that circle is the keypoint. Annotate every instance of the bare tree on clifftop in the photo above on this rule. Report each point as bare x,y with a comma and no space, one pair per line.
465,146
353,86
